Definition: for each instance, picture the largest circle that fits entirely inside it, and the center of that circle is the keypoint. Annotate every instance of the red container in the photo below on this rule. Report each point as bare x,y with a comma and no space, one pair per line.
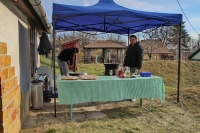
120,72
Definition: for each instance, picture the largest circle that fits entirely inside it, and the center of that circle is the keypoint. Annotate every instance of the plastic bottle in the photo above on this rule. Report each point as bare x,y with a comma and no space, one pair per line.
35,76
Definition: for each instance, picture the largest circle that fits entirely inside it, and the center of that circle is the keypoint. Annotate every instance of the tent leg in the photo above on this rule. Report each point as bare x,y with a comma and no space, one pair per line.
84,56
54,71
179,62
116,60
128,35
104,23
71,113
140,102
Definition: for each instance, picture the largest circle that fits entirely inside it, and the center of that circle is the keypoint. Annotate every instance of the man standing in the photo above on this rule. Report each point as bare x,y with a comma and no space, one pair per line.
134,55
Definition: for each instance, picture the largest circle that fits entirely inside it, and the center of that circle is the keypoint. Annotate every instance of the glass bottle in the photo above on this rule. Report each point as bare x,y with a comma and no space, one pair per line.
127,72
120,72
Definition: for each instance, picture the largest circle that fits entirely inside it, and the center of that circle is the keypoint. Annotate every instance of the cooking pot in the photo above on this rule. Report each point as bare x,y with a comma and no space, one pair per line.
74,73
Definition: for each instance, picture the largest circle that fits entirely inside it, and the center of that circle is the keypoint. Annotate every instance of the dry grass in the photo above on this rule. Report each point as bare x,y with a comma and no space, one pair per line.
190,75
127,117
96,69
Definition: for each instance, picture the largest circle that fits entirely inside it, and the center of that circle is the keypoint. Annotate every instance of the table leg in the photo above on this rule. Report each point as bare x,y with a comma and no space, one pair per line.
71,113
150,104
140,102
148,109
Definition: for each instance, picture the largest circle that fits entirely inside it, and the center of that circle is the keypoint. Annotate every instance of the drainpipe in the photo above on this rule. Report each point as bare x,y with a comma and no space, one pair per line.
37,5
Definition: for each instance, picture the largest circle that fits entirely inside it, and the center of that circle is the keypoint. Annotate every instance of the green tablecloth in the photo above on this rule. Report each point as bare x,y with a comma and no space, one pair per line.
109,88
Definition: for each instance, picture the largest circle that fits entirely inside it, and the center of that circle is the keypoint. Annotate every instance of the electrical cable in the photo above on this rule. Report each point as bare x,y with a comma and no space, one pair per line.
186,17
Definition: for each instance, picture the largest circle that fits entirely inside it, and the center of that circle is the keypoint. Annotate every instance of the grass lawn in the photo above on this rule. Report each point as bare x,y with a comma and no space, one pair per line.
126,116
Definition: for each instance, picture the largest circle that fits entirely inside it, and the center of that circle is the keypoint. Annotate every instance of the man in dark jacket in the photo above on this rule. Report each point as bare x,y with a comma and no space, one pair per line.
65,58
134,55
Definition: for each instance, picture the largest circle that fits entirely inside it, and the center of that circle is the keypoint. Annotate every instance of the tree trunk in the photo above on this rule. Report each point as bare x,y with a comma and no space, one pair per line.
149,56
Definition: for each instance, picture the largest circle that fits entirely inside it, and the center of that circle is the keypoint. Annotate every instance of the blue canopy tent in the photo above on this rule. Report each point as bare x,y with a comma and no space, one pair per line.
107,16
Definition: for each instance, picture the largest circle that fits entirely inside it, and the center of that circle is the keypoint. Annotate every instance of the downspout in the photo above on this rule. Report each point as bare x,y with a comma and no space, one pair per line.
37,5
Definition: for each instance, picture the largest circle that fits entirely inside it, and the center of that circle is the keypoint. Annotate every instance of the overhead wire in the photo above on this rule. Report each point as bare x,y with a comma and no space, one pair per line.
186,17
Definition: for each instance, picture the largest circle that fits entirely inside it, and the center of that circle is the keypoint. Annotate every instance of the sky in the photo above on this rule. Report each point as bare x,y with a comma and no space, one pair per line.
190,7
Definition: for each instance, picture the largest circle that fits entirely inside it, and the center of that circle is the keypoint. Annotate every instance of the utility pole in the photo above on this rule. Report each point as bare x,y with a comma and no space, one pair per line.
198,41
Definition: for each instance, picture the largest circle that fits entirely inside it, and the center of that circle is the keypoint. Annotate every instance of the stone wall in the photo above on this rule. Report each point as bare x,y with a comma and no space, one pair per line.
10,94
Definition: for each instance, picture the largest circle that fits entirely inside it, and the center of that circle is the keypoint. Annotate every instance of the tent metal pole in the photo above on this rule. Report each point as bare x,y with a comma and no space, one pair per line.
84,56
179,61
117,56
128,35
104,23
54,70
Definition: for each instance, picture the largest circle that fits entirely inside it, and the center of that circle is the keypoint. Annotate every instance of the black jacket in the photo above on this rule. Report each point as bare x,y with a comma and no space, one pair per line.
134,56
66,54
44,47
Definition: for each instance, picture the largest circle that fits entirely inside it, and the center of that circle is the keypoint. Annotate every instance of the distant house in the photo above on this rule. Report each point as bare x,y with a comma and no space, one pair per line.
155,50
21,23
185,53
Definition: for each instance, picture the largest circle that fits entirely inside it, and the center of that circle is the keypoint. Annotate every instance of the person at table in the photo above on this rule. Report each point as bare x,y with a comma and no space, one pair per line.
65,59
134,55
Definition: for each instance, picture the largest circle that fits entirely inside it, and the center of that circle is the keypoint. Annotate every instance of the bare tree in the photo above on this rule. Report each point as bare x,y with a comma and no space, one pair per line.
193,44
150,41
85,38
113,37
163,34
169,36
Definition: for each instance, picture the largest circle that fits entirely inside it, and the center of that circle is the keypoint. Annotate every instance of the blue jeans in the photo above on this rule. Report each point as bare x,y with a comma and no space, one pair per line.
63,67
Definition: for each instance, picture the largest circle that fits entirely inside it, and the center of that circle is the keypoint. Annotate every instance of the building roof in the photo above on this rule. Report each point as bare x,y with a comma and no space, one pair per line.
195,55
156,46
70,42
35,13
104,44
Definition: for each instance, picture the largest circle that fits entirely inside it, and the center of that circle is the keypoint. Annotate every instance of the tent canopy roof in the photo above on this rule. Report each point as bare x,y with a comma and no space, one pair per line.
107,16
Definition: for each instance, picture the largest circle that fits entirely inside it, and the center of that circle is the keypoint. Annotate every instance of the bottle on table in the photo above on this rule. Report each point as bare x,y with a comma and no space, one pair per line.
120,72
136,72
127,72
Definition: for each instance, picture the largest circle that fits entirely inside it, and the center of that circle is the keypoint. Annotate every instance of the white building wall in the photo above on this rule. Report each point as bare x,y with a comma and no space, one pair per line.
11,16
